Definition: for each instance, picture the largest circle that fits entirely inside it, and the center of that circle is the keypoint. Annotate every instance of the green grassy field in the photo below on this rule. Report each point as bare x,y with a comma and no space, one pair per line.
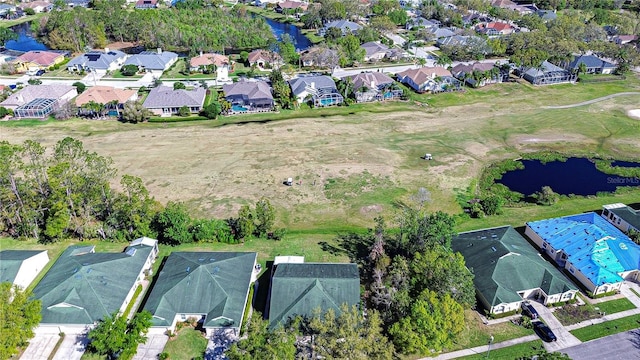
187,345
614,306
607,328
511,352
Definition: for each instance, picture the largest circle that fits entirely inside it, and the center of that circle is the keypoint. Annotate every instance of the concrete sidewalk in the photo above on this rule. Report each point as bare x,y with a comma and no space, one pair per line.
484,348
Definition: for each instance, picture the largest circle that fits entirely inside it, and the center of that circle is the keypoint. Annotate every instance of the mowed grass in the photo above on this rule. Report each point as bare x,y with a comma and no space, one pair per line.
477,333
607,328
511,352
187,345
615,306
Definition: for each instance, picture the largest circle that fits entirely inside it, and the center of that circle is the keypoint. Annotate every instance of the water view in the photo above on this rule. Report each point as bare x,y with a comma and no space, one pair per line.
577,176
299,39
25,41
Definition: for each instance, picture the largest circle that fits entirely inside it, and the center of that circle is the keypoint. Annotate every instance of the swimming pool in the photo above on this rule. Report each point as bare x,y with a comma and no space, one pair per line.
238,108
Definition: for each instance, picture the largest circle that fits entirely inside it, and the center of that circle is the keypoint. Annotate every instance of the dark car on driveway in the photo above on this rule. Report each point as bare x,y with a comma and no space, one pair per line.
529,310
543,331
40,72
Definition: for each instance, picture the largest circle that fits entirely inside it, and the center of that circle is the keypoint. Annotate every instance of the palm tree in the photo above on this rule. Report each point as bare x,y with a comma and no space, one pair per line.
443,60
422,62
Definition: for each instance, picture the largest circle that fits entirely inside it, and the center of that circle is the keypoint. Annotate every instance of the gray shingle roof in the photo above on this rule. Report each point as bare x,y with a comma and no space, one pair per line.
164,97
504,263
83,287
369,78
11,260
32,92
373,47
96,59
152,60
299,289
345,26
249,90
545,68
590,61
298,85
215,284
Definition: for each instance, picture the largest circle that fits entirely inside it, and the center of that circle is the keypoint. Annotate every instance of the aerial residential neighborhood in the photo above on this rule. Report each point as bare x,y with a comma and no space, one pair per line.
335,179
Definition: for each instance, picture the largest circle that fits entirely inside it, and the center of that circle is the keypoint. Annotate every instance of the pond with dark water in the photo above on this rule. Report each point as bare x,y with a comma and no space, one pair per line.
578,176
26,41
300,41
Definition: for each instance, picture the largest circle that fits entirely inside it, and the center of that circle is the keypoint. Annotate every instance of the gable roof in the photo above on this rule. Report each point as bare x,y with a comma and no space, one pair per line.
209,59
591,61
215,284
369,78
164,97
423,74
299,289
345,25
84,286
626,213
32,92
287,4
545,68
11,261
248,89
152,60
97,59
43,58
598,249
264,55
105,95
461,68
300,84
504,263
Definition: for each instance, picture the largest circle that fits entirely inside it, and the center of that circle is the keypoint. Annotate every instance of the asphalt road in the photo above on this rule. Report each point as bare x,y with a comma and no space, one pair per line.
623,346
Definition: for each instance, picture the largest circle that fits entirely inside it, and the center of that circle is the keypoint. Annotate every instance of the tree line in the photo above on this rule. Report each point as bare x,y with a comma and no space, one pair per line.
187,29
65,192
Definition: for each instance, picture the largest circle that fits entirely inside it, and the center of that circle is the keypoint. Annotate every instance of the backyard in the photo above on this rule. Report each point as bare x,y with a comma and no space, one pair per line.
572,314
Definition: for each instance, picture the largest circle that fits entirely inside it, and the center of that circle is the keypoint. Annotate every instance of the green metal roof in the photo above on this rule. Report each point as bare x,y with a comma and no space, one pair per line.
504,263
83,287
628,214
215,284
299,289
10,262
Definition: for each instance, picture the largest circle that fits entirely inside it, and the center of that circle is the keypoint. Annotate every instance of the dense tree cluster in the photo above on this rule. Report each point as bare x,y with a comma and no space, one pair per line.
118,339
350,335
19,315
189,29
408,271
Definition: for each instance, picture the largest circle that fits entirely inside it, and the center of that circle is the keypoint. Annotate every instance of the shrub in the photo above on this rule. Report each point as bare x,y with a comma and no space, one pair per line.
163,356
184,111
129,70
179,85
29,11
80,87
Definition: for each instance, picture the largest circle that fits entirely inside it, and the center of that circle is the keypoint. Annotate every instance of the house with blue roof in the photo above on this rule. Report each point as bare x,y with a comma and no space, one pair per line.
153,61
592,63
594,251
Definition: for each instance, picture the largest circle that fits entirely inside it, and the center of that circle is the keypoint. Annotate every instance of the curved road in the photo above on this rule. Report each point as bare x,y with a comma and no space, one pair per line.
591,101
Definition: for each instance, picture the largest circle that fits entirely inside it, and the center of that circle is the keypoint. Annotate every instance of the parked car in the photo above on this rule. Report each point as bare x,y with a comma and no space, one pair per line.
40,72
529,310
543,331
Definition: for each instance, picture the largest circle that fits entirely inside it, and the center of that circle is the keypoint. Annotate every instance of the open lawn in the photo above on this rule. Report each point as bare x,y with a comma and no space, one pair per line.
607,328
476,333
351,164
189,344
510,352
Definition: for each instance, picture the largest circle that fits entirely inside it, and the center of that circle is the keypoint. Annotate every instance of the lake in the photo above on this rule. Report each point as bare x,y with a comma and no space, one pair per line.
300,41
26,41
577,176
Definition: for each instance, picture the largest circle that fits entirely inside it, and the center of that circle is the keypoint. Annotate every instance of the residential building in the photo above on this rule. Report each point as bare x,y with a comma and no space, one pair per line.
374,51
495,28
345,26
265,59
510,5
207,62
321,90
547,74
321,57
288,6
212,287
36,60
590,248
547,15
249,96
113,98
78,3
84,286
420,22
38,101
465,41
101,61
477,74
374,86
622,216
624,39
6,10
508,270
435,32
146,4
37,6
153,61
21,267
165,101
429,79
593,65
297,289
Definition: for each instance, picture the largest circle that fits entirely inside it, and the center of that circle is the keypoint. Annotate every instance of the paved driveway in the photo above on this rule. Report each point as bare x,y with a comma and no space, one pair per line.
40,347
154,346
623,346
72,347
565,338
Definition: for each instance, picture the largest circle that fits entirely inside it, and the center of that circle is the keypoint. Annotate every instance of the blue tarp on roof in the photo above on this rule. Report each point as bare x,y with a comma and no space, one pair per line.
594,246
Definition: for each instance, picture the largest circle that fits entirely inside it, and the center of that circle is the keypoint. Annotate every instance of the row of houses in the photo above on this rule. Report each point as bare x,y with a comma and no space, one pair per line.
587,251
83,286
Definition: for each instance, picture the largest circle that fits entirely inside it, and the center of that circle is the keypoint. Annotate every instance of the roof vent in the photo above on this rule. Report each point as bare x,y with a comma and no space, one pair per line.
188,269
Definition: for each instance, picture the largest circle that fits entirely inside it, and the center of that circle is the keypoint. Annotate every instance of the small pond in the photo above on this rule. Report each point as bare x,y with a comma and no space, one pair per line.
26,41
577,176
300,41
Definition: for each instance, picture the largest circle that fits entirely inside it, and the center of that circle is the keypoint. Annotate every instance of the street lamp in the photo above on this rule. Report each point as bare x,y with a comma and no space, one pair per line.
490,342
